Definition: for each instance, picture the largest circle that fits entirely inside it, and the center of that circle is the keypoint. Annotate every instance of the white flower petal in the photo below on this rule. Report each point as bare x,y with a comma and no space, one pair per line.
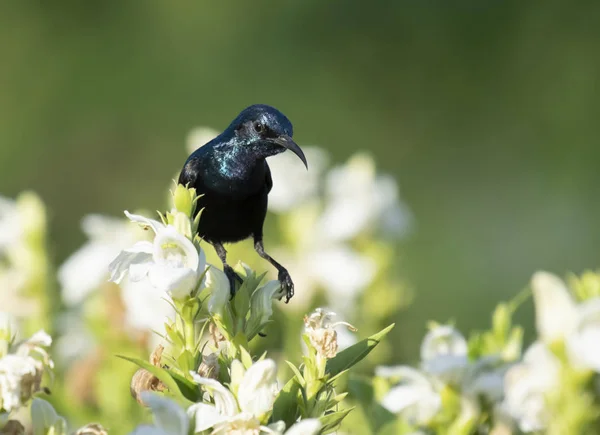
40,338
172,247
443,340
582,345
423,401
154,224
342,272
310,426
555,313
526,385
205,416
218,283
147,307
138,272
256,393
178,282
85,271
224,399
120,265
168,415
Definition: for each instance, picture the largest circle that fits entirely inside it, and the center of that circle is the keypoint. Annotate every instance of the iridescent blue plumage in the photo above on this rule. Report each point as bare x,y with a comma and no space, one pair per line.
233,176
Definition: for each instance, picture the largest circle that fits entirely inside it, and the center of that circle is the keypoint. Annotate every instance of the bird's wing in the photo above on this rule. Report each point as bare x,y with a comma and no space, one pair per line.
268,179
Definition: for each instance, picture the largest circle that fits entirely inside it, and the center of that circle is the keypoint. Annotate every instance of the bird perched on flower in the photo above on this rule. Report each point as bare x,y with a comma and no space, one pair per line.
233,177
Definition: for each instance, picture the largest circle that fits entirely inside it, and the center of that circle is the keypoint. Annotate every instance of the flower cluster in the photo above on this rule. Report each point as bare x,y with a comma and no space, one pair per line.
484,384
22,366
213,383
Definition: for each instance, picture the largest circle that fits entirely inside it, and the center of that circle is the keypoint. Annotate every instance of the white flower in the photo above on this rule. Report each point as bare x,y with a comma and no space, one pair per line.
147,307
320,328
171,263
582,344
526,386
415,396
342,271
485,377
218,284
555,312
358,199
200,136
292,183
310,426
86,269
444,353
255,397
18,373
169,418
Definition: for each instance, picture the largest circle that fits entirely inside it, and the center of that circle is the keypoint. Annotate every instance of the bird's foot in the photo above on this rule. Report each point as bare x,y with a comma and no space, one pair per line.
287,285
232,277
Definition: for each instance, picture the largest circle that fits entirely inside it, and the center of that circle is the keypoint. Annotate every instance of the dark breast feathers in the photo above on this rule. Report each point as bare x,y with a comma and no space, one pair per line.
233,208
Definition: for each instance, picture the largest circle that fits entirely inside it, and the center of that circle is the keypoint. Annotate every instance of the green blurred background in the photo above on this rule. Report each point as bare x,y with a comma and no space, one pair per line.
486,113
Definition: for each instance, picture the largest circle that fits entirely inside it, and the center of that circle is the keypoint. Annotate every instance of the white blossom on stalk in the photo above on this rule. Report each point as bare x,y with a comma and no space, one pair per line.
444,354
86,269
21,372
583,344
255,397
527,385
171,262
320,329
358,199
292,183
555,311
416,396
147,308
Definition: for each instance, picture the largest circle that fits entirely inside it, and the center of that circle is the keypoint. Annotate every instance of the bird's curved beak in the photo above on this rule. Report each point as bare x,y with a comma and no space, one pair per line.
285,141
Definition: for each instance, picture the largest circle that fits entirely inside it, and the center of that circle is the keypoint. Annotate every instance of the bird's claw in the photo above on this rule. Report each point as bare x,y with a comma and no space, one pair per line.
287,285
232,277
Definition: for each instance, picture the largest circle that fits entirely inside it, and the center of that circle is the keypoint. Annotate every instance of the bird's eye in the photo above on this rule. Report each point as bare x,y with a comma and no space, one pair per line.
258,127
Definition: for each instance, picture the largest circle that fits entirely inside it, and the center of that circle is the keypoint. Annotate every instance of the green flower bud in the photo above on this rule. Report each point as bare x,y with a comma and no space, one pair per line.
184,199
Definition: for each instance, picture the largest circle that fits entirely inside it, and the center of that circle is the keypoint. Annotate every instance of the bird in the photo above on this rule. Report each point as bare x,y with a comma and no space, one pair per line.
232,179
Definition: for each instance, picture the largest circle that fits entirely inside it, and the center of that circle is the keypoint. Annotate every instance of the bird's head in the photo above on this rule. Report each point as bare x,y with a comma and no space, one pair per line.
266,131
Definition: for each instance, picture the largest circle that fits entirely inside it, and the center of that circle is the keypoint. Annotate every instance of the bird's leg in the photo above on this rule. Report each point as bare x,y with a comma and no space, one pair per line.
283,275
229,272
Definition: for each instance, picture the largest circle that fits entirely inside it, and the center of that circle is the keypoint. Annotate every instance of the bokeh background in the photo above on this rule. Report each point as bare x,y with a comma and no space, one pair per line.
485,112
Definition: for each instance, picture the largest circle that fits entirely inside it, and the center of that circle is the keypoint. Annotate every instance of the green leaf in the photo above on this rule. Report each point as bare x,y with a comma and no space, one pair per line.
245,357
286,404
163,375
331,421
241,301
297,374
352,355
188,388
174,336
186,361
